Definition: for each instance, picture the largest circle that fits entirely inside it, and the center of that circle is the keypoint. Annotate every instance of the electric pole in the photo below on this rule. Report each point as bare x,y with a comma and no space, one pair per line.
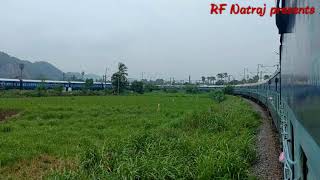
21,66
82,75
259,74
244,74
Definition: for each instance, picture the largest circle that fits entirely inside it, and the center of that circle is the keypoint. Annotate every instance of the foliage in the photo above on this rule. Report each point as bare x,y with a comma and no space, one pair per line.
228,90
203,79
150,87
40,89
170,90
218,96
58,90
220,82
137,86
88,83
129,137
119,79
191,89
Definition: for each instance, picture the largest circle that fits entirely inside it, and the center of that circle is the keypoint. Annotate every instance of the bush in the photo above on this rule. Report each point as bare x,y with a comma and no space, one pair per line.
192,89
218,96
170,90
41,90
228,90
58,90
150,87
137,86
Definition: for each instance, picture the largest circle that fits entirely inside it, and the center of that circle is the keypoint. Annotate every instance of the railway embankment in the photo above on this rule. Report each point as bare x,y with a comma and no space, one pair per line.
268,149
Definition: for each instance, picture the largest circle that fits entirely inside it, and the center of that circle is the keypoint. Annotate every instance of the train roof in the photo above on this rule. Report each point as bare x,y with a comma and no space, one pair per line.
48,81
4,79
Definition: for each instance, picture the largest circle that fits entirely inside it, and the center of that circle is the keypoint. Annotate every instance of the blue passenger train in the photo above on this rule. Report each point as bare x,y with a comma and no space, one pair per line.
33,84
292,95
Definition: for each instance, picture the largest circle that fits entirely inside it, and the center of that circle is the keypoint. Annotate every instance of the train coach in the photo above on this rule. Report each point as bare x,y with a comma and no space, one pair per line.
33,84
293,94
299,143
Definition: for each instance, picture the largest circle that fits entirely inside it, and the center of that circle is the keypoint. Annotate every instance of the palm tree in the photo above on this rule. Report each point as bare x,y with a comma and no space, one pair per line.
225,75
82,75
220,76
203,79
213,79
119,79
208,79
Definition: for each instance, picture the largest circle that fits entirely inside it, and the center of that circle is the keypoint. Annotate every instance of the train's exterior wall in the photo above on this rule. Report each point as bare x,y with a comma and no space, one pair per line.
300,85
300,68
269,96
33,84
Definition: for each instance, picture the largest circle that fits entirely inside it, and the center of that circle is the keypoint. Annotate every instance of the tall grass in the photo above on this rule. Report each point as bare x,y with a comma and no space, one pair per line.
130,137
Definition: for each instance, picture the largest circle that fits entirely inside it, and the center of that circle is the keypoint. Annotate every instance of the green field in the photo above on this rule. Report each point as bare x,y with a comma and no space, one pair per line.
159,136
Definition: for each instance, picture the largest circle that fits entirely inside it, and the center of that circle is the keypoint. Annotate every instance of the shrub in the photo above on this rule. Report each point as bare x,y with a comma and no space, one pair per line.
192,89
150,87
41,90
170,90
137,86
228,90
58,90
218,96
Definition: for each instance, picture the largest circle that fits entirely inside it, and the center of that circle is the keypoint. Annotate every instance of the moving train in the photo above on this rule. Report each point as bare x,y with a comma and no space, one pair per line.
33,84
292,95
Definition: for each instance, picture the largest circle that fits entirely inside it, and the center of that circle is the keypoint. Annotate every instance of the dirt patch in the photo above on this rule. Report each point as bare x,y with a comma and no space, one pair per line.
37,168
268,148
5,114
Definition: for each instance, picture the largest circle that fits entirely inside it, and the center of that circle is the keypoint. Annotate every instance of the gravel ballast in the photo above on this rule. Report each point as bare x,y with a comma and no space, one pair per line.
268,148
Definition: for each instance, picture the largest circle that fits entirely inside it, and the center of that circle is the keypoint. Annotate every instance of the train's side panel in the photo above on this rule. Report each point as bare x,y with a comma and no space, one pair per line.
300,84
33,84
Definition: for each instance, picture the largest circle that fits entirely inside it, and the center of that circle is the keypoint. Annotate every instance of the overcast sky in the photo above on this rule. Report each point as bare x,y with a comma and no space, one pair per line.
161,38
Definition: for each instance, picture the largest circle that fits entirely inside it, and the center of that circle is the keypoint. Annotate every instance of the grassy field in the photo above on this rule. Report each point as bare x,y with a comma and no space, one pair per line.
137,137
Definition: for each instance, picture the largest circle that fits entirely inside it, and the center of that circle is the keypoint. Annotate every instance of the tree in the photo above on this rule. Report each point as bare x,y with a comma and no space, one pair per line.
265,77
82,75
234,82
225,75
21,67
220,76
159,82
208,79
203,79
137,86
191,89
88,83
41,88
220,82
119,79
58,90
256,78
211,79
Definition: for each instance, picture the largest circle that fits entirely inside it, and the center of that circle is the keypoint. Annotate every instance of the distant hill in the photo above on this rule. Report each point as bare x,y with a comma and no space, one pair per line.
9,68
